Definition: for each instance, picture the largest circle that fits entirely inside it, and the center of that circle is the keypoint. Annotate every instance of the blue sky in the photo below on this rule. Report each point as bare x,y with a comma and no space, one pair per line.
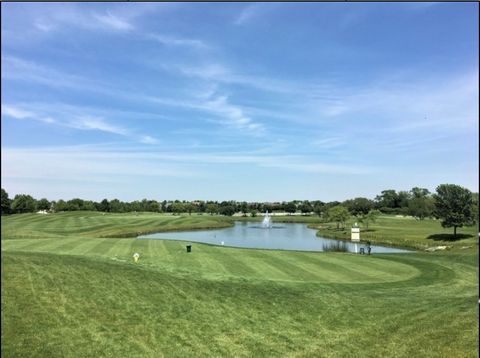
238,101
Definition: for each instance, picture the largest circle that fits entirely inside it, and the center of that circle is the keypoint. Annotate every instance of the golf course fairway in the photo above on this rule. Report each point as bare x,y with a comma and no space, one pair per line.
71,288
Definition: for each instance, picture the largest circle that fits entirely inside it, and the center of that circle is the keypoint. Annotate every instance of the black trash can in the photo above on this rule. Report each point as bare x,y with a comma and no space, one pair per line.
189,248
362,251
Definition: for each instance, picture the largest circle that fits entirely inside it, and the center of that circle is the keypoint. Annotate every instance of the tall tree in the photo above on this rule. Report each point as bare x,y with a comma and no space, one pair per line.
104,205
6,202
290,207
454,205
359,206
370,217
178,208
319,208
23,204
306,207
421,207
60,205
43,204
227,210
387,199
417,192
212,208
338,214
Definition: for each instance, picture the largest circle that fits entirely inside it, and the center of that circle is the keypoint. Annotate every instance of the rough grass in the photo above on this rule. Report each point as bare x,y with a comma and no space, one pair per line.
405,232
68,293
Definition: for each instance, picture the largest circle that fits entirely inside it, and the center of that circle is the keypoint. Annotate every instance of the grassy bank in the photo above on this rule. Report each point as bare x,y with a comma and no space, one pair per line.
96,224
405,232
68,292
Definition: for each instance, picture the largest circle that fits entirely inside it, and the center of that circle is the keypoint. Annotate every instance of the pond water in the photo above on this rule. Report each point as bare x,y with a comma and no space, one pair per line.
252,235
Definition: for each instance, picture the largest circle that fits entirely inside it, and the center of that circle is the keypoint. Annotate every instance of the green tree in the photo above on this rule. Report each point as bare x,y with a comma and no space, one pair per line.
60,205
244,208
421,207
475,204
23,204
189,207
454,205
43,204
306,207
227,210
202,207
359,206
6,202
338,214
116,206
212,208
319,208
290,207
74,204
104,205
89,205
417,192
178,208
387,199
370,217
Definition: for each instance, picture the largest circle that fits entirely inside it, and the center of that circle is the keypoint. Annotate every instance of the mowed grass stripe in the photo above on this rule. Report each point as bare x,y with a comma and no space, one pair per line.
333,270
84,247
53,245
34,244
17,244
373,267
70,245
279,261
120,248
157,248
102,246
233,265
266,269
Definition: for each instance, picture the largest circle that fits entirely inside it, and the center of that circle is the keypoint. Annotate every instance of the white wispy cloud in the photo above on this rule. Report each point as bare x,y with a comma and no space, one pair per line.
215,71
112,161
115,19
248,13
43,26
146,139
445,103
14,112
15,68
112,21
327,143
95,123
170,40
232,115
19,113
63,164
72,117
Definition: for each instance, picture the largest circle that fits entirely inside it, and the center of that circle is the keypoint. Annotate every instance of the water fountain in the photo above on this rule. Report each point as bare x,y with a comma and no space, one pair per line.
267,221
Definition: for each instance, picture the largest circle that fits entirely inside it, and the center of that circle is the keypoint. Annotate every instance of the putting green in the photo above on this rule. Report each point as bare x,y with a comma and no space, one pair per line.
217,263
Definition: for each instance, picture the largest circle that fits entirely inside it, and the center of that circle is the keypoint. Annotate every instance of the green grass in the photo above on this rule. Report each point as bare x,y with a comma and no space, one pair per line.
67,291
405,232
96,224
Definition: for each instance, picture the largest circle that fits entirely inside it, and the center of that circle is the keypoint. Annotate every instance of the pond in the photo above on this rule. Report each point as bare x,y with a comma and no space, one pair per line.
252,235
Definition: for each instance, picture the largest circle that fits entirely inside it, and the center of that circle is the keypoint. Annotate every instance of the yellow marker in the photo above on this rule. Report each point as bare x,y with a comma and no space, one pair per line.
136,256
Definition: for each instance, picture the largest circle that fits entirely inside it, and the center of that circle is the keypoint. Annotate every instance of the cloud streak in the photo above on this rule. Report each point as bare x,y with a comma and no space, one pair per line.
75,118
169,40
113,22
190,162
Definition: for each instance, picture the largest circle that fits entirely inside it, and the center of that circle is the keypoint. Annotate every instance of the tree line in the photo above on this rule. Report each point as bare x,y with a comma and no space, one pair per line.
458,206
